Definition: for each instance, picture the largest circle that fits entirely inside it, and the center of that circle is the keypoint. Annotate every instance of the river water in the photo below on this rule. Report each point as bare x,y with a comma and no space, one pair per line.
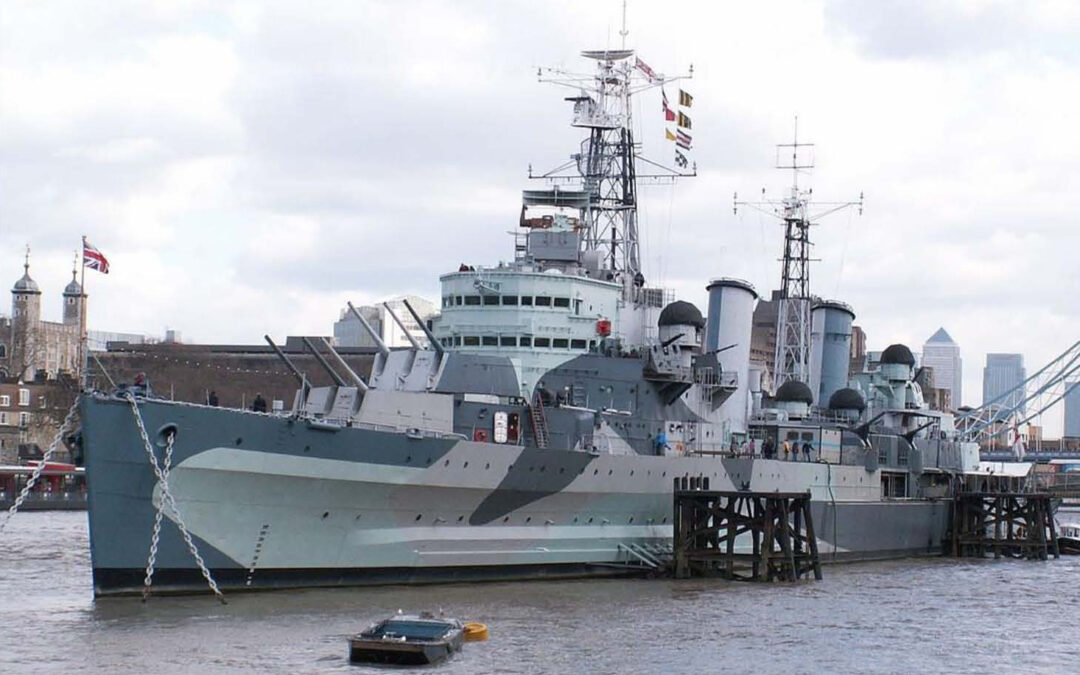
910,616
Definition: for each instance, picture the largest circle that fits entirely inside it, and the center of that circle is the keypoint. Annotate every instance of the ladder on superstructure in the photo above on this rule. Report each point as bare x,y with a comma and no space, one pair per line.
539,422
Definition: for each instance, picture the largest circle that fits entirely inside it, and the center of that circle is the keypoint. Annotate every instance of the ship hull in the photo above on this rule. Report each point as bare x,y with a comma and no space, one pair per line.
274,502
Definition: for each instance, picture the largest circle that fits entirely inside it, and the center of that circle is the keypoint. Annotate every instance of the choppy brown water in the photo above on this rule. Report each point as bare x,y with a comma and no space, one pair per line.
912,616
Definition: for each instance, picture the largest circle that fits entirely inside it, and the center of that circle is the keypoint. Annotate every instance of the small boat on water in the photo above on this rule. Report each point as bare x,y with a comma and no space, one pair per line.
408,640
1069,538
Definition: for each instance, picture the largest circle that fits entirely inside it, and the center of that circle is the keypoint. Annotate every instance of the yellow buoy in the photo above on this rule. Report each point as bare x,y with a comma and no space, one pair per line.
476,632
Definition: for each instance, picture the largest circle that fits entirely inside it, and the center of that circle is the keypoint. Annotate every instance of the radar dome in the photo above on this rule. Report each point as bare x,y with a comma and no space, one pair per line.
847,399
681,313
794,391
897,354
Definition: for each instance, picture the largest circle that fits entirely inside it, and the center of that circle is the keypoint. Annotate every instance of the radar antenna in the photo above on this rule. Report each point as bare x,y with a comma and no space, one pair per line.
601,178
792,355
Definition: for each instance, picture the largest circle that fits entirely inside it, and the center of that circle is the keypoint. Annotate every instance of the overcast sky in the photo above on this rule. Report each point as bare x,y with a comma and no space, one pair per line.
249,166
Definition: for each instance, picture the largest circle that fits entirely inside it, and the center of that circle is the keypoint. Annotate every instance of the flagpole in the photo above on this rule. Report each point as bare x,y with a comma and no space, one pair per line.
84,352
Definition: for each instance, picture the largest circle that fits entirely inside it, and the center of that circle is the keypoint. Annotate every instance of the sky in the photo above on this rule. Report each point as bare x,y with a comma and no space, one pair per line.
248,167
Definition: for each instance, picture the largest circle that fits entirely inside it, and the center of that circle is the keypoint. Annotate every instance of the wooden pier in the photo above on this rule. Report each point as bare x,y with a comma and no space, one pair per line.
1010,524
779,525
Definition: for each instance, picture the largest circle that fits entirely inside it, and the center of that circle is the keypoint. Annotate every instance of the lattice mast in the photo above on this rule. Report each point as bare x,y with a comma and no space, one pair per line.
606,164
791,359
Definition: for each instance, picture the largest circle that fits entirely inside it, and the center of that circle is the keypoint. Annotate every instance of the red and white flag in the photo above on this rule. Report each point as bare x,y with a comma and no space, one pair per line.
93,258
649,73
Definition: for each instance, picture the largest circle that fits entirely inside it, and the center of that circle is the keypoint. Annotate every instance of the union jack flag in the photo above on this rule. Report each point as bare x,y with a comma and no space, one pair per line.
93,258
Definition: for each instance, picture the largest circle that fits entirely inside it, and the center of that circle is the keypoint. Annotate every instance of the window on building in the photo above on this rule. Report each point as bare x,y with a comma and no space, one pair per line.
489,341
491,299
560,343
508,341
446,300
472,299
5,401
592,344
458,300
41,401
457,340
543,301
471,341
577,344
525,341
562,302
24,397
4,419
3,351
509,299
526,300
24,419
542,342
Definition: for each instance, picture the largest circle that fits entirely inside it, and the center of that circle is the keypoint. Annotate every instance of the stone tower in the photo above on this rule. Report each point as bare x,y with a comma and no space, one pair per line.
74,300
25,320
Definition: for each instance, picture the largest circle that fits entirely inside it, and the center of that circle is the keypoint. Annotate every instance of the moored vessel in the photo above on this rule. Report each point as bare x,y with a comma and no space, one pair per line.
539,431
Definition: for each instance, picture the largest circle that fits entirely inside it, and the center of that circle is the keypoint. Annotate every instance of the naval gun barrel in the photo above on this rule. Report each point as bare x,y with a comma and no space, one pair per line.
379,344
289,364
423,326
412,340
322,362
357,380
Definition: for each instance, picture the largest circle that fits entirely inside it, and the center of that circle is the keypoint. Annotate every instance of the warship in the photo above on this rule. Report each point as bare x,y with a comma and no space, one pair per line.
540,431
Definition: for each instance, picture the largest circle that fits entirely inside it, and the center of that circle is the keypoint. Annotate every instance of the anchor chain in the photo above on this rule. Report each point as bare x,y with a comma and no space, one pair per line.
40,468
167,501
155,536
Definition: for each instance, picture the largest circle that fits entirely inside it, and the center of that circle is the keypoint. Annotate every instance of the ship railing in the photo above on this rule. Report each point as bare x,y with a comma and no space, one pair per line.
412,432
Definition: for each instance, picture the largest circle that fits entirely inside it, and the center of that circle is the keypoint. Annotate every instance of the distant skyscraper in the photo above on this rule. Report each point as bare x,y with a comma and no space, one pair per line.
942,354
1003,373
1072,410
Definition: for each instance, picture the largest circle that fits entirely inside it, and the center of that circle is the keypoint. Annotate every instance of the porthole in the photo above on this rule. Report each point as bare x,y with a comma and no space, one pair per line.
506,519
595,471
562,469
590,520
446,463
664,519
543,469
358,516
465,465
408,460
487,466
631,472
307,448
325,515
528,519
575,519
460,518
610,471
630,521
239,441
419,516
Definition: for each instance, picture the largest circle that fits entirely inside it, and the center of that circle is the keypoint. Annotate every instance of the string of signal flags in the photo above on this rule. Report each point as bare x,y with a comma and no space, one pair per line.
683,124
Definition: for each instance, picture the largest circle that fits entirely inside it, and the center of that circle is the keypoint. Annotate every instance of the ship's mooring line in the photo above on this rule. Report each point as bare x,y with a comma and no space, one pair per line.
40,468
167,501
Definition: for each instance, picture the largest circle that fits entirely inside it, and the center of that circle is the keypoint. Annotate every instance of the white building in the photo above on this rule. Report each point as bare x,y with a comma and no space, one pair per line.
349,333
942,354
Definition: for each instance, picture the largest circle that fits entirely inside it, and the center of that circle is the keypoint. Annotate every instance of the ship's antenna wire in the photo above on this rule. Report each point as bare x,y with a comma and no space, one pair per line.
624,32
843,252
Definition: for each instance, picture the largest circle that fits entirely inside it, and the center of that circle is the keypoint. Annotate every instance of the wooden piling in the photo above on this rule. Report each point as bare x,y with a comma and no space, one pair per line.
779,527
1003,524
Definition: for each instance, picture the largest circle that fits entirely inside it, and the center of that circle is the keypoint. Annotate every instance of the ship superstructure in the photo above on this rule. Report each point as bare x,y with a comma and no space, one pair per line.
539,433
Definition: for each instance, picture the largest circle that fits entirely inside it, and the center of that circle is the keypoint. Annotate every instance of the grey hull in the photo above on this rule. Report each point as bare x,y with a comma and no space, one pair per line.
274,502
